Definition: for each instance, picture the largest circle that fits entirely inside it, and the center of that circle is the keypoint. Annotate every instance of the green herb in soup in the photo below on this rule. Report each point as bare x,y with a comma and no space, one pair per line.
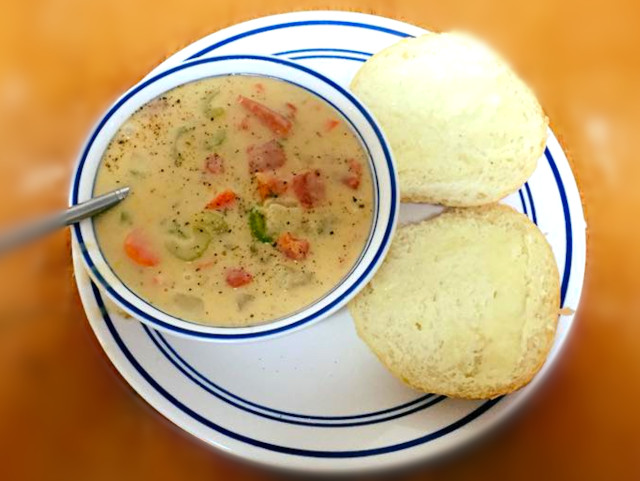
250,199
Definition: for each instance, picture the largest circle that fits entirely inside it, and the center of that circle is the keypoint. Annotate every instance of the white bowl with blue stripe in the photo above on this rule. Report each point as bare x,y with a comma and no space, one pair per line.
364,126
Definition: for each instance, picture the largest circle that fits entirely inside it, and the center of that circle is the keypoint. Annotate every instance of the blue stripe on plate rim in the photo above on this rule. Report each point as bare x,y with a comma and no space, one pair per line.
354,453
334,50
222,394
302,23
383,246
339,57
533,207
270,446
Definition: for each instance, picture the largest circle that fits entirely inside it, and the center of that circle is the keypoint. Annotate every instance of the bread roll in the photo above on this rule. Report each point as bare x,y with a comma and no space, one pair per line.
466,304
464,129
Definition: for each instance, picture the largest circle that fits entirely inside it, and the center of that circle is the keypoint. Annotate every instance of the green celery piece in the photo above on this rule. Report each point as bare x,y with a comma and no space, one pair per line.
258,226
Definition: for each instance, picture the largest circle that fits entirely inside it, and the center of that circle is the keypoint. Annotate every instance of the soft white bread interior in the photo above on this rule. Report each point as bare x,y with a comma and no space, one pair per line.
466,304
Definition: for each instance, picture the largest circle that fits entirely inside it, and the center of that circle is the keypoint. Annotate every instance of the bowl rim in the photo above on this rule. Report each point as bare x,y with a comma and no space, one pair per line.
93,258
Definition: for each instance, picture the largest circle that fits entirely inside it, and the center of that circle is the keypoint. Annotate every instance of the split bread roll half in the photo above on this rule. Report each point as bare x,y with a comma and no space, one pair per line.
464,129
466,303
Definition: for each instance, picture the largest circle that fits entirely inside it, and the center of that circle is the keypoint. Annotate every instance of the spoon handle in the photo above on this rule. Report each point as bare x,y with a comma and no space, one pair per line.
76,213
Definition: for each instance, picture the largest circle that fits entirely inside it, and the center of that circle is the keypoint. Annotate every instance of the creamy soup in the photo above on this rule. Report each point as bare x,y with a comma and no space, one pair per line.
250,199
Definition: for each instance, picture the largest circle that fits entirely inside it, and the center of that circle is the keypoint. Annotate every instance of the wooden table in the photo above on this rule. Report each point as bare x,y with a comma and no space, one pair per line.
64,411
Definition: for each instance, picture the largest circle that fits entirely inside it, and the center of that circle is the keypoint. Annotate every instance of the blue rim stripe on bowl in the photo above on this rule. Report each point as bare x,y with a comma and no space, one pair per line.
385,240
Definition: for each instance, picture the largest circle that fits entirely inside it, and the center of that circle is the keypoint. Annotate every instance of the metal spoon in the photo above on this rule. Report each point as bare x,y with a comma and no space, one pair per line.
76,213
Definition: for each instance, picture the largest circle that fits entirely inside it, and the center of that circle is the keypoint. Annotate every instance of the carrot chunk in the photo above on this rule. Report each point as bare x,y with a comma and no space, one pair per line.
223,200
270,186
271,119
138,249
292,247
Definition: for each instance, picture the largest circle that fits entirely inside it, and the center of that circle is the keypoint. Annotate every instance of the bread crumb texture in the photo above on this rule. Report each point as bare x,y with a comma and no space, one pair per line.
465,304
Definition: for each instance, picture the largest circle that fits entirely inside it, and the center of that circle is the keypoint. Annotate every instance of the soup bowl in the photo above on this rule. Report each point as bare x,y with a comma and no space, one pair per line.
358,118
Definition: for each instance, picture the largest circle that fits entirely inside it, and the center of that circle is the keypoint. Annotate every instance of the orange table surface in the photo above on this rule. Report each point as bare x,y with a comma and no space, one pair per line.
65,413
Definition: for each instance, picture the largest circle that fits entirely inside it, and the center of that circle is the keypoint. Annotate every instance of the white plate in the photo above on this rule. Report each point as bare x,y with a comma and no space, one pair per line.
318,400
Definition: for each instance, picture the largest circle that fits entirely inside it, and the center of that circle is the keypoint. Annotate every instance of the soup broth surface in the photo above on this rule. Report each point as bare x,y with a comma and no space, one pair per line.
250,199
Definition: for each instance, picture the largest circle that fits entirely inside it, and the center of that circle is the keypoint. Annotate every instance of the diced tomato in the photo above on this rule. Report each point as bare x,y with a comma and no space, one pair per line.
292,110
259,87
292,247
331,124
223,200
138,249
309,188
214,164
244,123
270,186
267,156
271,119
238,277
354,176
